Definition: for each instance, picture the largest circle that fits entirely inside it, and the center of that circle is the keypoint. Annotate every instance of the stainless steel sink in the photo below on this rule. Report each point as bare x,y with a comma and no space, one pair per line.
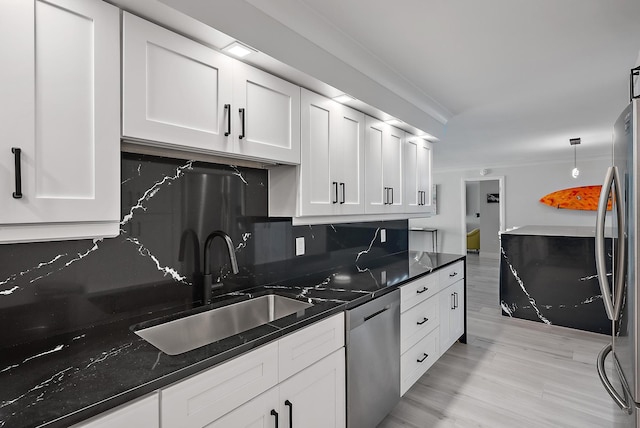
184,334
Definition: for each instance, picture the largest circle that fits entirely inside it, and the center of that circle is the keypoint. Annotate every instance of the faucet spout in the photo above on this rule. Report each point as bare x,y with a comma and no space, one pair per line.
208,282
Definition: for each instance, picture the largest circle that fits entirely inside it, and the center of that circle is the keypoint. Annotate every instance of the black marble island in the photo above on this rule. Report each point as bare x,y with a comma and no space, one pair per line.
548,274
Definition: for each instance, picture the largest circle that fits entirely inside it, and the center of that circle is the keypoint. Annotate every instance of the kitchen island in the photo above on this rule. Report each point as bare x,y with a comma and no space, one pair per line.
548,274
68,378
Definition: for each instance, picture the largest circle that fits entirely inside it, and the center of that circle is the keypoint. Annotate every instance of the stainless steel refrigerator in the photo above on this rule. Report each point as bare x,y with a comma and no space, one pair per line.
619,285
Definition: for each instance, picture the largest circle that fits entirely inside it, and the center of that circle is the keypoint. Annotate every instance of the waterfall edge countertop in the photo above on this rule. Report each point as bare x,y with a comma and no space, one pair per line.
68,378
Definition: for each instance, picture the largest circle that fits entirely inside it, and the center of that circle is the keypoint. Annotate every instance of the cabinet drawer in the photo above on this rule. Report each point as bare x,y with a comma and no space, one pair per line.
417,322
451,274
197,401
417,360
303,348
418,291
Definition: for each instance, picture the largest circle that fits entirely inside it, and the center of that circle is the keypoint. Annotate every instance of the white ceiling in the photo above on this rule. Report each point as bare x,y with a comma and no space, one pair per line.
512,79
500,82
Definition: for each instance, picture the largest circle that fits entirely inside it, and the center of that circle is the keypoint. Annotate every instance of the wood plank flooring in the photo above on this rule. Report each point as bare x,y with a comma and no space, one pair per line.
512,372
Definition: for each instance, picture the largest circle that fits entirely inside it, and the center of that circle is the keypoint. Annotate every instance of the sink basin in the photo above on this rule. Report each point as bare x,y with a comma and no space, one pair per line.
188,333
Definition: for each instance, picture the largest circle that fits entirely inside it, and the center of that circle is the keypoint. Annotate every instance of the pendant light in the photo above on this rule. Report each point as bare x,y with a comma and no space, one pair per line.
575,172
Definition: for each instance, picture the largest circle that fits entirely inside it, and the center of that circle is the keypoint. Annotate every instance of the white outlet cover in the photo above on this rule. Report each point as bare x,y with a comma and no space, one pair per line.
300,246
383,235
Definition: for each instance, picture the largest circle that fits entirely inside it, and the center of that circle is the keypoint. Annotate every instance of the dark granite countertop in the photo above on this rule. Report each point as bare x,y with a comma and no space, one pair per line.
65,379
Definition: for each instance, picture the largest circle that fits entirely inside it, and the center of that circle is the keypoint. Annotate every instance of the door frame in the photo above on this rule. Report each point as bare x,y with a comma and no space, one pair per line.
463,211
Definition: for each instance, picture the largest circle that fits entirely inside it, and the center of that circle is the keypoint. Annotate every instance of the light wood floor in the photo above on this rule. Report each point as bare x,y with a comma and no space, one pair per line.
512,373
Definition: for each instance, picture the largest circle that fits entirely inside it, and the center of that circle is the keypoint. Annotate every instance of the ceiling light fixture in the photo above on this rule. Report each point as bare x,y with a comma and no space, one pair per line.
575,172
344,98
238,49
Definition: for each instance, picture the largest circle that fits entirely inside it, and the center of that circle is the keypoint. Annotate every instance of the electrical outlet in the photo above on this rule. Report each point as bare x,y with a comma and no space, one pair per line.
383,235
383,277
300,246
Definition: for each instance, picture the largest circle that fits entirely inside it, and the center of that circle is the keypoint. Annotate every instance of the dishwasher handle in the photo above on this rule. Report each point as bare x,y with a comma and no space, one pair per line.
368,317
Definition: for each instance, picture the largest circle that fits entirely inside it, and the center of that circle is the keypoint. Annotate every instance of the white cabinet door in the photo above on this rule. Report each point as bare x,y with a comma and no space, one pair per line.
332,158
266,115
383,167
417,176
348,160
143,413
174,89
318,188
451,315
425,183
315,397
59,106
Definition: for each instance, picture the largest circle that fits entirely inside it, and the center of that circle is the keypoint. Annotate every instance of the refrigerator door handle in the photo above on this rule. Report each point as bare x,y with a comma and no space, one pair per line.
601,264
621,255
622,402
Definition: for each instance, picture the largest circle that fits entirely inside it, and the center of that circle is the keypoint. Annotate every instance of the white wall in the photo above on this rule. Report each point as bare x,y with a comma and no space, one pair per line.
524,186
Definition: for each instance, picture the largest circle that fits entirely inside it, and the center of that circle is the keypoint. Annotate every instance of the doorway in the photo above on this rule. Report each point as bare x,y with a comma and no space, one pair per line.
483,213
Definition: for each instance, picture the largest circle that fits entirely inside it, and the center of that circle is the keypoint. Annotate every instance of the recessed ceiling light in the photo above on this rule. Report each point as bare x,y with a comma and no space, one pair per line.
238,49
344,98
394,122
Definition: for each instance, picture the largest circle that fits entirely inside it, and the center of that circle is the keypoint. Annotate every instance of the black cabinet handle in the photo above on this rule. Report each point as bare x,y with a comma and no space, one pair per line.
18,193
335,192
275,414
424,357
290,405
241,136
453,301
227,112
419,197
422,290
451,275
424,320
386,196
391,203
342,186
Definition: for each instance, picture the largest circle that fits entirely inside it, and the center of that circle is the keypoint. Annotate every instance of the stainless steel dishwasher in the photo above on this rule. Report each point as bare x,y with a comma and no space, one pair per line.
373,360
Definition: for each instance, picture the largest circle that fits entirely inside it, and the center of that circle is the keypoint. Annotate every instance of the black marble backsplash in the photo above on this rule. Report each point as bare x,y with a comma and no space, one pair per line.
54,288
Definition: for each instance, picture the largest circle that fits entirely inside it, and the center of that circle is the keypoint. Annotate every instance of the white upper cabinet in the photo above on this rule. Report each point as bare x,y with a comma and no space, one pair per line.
384,167
60,107
174,89
266,113
332,161
181,93
417,176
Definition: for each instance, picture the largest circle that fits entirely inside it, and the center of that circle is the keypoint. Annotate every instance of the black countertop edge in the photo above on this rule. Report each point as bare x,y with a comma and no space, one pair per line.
402,268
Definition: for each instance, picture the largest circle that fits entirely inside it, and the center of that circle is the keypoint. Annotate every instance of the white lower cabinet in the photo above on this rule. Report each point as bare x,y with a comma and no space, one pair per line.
315,397
431,320
452,314
142,412
301,375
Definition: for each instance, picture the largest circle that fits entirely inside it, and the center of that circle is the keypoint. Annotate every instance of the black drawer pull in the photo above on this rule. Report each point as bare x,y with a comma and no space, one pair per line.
241,136
451,275
18,193
335,192
290,405
274,413
424,320
342,186
227,111
422,290
424,357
